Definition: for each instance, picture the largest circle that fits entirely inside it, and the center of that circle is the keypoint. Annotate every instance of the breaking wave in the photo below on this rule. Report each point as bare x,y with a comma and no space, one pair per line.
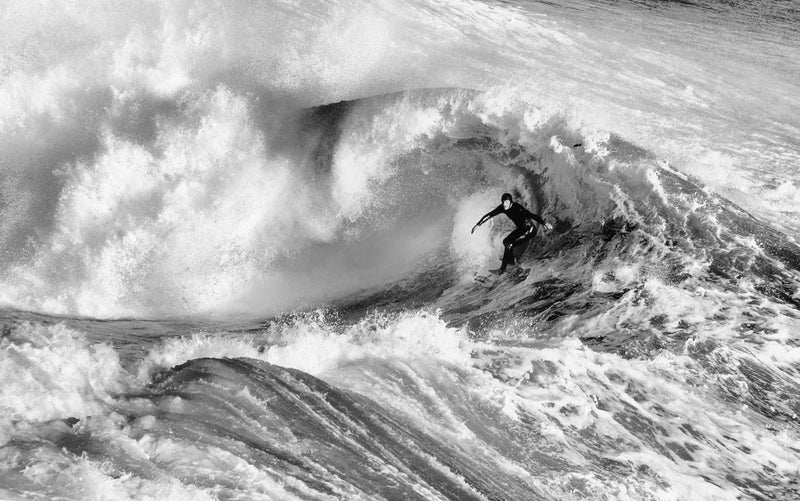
237,257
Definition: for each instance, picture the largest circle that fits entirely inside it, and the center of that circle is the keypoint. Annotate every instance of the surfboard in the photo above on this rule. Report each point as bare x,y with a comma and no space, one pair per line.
514,274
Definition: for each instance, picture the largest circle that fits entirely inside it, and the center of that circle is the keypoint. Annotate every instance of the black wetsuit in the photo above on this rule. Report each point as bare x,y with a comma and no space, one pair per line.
522,218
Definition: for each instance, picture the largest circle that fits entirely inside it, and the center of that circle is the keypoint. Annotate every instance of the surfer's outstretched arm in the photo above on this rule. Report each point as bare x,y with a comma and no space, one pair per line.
536,217
497,210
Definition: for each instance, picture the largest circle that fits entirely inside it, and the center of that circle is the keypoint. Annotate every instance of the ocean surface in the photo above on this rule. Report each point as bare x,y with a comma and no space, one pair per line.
237,261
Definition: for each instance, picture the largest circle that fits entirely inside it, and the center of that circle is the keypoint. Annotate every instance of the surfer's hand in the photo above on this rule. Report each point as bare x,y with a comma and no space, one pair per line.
548,227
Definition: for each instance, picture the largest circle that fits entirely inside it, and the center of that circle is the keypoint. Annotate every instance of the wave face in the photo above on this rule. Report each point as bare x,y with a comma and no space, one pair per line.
238,261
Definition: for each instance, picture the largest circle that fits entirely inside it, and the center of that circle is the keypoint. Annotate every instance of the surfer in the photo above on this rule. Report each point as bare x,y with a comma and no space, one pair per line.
521,217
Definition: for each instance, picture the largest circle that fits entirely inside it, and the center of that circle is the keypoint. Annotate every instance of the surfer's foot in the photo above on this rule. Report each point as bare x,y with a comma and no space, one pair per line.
498,271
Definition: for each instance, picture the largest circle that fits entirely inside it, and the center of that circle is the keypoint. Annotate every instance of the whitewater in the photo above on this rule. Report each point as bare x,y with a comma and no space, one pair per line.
237,261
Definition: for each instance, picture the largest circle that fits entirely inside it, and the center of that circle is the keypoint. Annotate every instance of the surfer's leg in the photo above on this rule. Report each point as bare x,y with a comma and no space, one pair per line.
508,258
508,244
523,236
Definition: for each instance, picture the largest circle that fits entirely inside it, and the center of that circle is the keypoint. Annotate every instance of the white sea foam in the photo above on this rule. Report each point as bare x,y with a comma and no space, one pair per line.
63,476
316,345
600,393
53,372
